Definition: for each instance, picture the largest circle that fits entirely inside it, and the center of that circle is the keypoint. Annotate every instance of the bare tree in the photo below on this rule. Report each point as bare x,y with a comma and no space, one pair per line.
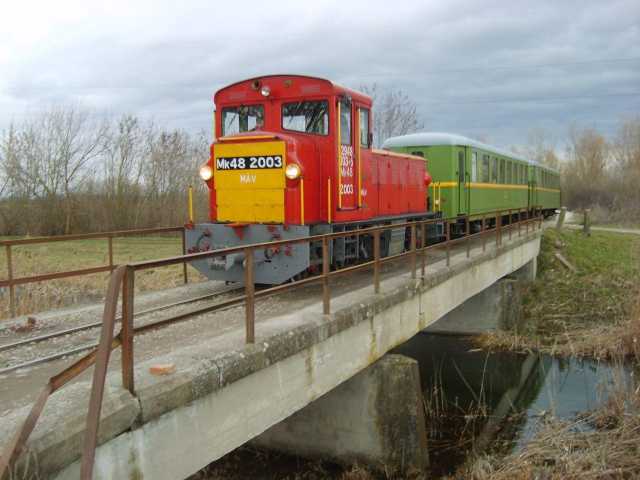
625,150
395,113
586,171
126,153
541,148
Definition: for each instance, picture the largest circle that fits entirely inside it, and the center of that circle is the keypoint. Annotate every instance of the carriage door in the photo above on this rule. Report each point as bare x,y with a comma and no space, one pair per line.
462,180
347,181
533,187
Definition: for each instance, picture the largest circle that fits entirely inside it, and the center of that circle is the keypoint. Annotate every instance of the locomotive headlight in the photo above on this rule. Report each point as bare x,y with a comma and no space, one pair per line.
292,171
265,91
206,172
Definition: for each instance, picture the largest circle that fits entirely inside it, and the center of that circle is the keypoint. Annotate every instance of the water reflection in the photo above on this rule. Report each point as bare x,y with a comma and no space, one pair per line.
473,397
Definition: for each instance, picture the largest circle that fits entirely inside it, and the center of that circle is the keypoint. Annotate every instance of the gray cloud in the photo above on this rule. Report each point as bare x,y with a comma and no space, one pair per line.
491,69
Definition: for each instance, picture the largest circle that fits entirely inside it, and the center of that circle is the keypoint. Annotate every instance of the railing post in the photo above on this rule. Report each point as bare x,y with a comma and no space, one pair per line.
498,228
110,243
126,331
541,219
12,288
249,289
448,243
184,252
423,252
326,298
376,261
520,222
467,234
414,252
484,233
510,224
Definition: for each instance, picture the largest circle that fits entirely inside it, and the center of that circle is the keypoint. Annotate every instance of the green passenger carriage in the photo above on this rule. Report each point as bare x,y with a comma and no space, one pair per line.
471,178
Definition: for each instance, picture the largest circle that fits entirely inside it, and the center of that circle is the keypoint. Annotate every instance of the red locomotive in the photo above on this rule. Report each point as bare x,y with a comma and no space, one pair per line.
294,158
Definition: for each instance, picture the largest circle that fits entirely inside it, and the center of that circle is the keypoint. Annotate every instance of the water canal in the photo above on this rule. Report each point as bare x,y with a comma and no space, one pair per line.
475,402
481,401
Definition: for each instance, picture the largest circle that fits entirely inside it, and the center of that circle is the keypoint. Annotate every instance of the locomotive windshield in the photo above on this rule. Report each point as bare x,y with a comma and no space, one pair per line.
244,118
307,117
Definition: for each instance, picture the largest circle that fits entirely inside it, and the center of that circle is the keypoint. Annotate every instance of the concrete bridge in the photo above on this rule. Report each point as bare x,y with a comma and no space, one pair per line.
315,384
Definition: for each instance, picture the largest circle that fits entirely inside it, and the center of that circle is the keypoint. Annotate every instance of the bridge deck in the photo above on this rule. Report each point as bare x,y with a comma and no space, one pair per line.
210,353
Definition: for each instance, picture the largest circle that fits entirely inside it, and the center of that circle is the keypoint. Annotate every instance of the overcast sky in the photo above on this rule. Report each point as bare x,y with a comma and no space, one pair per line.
488,69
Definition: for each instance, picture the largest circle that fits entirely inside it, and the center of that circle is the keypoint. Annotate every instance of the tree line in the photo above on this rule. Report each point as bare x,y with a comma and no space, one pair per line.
599,172
68,170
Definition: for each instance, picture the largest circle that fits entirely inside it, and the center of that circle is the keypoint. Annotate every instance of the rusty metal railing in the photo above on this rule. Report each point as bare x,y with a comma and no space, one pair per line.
11,281
123,277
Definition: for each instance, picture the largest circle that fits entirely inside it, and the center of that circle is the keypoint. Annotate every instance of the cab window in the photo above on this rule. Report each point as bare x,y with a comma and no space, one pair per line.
364,128
345,123
244,118
307,117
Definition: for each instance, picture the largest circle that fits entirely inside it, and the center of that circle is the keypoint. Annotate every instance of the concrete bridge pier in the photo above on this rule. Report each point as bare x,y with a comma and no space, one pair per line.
375,418
498,307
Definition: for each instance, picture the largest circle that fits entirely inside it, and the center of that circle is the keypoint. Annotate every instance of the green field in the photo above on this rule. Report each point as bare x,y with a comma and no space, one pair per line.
592,311
38,259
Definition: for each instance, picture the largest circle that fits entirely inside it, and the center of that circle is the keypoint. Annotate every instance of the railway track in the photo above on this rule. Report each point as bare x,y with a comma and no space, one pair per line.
221,302
141,328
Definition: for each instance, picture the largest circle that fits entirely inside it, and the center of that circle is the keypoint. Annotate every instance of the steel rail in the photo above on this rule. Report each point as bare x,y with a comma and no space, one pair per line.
138,329
89,326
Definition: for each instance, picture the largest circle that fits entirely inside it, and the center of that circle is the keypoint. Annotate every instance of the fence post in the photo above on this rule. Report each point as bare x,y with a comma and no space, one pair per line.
126,330
249,289
414,252
498,228
12,288
326,298
110,243
587,223
560,222
184,252
376,261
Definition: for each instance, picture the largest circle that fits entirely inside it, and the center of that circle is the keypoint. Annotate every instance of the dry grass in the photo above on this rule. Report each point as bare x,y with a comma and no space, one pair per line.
56,257
603,444
591,312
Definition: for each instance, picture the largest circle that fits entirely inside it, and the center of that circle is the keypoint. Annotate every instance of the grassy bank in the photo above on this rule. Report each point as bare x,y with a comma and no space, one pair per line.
38,259
589,308
585,308
602,444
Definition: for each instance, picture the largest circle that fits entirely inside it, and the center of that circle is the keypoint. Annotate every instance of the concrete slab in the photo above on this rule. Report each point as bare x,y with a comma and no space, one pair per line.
224,393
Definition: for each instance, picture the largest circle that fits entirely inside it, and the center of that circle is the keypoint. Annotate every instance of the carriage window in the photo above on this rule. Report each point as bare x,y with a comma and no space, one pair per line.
364,128
244,118
494,170
485,168
307,117
345,123
474,167
502,174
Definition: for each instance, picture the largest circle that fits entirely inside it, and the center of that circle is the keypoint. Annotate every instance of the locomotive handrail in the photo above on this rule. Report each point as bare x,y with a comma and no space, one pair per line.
123,278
